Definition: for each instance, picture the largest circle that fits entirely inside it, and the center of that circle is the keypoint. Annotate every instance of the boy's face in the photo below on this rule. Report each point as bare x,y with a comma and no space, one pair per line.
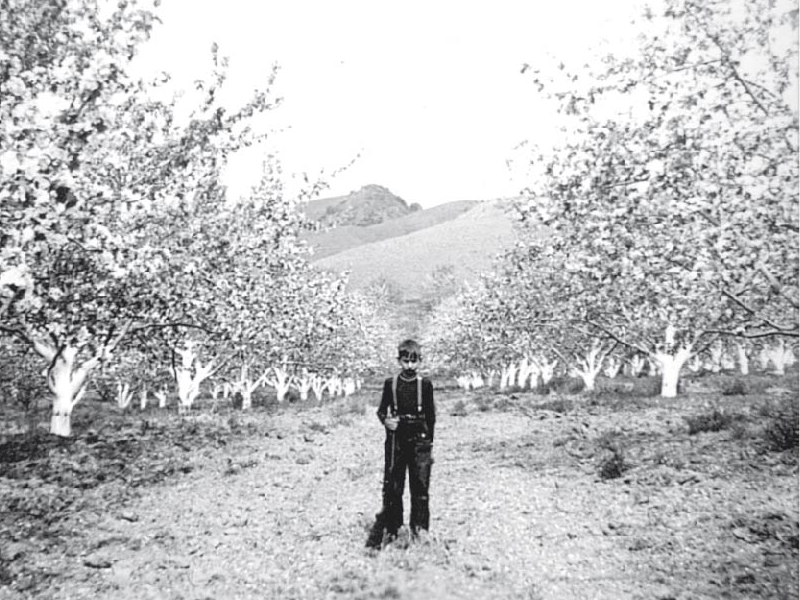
409,362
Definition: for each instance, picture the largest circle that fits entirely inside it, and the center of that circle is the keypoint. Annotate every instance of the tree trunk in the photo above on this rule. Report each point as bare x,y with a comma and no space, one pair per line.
188,384
61,419
247,397
670,370
778,356
588,377
67,388
503,378
547,370
744,362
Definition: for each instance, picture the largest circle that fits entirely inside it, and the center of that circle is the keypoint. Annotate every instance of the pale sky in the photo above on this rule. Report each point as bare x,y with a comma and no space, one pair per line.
429,94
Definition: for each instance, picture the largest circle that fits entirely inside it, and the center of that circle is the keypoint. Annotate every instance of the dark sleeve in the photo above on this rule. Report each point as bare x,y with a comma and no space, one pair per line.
428,406
386,400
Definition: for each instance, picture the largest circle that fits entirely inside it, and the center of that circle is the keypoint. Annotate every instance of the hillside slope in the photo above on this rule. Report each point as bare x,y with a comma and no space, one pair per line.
344,237
466,244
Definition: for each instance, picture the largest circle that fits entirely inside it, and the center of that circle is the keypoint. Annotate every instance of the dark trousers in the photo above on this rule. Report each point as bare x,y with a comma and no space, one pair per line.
407,449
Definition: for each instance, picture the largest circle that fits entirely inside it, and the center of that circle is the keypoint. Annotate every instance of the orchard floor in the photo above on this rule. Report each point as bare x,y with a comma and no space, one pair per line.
532,497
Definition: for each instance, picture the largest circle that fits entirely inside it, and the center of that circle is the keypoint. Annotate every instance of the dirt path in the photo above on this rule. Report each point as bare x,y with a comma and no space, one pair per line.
513,516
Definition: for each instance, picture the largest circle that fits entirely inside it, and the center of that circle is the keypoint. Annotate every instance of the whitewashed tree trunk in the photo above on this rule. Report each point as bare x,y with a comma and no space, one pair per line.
637,364
143,399
216,391
512,373
476,380
124,394
246,385
671,365
589,365
491,377
743,360
161,396
318,387
334,386
547,370
763,358
189,375
522,373
534,374
612,367
671,359
504,378
588,377
779,354
281,381
303,383
715,357
66,381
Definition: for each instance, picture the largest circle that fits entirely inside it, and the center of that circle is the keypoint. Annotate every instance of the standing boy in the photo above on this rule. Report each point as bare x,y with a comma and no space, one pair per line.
408,413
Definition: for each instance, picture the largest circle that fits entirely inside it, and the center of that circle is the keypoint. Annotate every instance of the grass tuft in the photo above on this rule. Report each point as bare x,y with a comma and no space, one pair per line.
716,420
734,387
612,464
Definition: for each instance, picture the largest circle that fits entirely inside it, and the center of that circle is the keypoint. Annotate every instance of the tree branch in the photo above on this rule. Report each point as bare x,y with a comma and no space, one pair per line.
727,61
619,339
779,329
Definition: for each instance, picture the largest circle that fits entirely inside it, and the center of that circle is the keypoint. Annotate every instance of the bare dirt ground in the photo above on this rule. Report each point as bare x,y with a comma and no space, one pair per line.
532,496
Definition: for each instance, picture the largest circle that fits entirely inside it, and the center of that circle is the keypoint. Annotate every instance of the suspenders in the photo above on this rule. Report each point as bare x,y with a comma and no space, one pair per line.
394,394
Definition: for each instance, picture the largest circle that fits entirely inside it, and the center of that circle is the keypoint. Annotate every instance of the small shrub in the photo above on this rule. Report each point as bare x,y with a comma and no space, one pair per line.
484,403
504,403
649,386
615,387
234,423
353,405
716,420
558,384
735,387
559,405
574,386
343,421
612,464
739,431
318,427
459,409
781,431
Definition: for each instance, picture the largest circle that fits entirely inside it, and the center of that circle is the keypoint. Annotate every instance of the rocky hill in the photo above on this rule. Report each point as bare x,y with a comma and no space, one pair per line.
370,205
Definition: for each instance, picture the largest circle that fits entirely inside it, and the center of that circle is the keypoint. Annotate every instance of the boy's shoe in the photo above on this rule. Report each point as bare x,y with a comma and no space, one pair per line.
420,535
376,532
389,537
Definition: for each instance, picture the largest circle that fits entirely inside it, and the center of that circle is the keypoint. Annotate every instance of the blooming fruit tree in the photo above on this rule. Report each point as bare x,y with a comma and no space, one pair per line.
674,221
95,176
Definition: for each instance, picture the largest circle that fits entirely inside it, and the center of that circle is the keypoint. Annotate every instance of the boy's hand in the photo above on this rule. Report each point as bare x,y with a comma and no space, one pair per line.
391,423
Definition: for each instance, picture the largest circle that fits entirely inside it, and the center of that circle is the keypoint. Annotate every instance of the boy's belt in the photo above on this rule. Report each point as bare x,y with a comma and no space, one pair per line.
411,418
